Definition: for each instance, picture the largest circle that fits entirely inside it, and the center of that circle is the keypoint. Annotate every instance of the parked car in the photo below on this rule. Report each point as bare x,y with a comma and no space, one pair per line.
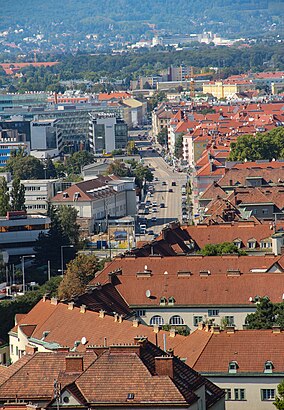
151,232
154,219
164,183
162,205
174,183
170,190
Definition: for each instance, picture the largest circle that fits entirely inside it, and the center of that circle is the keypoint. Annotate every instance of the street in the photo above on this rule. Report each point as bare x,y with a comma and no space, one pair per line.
167,190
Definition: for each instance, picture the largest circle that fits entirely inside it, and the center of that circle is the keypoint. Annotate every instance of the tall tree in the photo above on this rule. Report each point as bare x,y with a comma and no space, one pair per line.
264,317
25,167
4,197
17,196
49,169
68,220
279,401
78,274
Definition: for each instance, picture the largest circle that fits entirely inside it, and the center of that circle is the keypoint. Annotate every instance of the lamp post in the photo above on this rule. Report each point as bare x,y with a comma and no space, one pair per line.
23,269
62,256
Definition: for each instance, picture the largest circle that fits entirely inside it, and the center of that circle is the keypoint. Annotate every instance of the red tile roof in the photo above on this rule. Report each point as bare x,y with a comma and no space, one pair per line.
181,277
249,348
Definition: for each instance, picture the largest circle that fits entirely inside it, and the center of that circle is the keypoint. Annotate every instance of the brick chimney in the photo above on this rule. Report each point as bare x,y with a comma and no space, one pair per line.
74,364
30,350
215,330
54,301
116,316
122,349
156,328
102,313
70,305
164,366
173,332
200,325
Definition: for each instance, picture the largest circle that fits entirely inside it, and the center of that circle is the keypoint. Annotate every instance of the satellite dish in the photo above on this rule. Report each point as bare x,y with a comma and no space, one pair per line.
83,340
250,299
148,293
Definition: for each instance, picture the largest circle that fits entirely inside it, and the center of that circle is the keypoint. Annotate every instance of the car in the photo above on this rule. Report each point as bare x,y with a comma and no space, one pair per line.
151,232
156,179
174,183
170,190
162,205
154,203
164,183
154,209
148,203
154,219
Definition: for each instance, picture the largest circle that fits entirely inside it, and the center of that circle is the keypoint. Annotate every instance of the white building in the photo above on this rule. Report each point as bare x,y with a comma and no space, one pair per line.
46,137
107,133
99,199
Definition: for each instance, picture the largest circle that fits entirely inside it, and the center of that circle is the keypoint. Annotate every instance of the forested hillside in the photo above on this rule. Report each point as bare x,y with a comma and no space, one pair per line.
128,17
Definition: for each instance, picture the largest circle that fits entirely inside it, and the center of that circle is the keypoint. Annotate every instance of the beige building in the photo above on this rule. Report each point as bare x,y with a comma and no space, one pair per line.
247,364
224,89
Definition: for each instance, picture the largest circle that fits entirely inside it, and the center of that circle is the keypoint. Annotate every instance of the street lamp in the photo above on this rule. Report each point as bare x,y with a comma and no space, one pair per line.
62,257
23,269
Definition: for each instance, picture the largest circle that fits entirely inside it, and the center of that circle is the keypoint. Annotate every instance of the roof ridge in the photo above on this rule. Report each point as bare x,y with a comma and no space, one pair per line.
209,338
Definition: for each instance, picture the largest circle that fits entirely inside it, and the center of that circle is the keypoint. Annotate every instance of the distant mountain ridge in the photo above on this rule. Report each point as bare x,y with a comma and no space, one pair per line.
132,17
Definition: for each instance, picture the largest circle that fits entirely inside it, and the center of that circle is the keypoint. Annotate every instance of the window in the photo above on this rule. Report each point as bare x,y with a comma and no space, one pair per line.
265,211
176,320
267,394
229,320
240,394
12,349
268,367
251,244
265,244
228,394
233,367
163,301
141,312
157,320
17,351
197,319
213,312
171,300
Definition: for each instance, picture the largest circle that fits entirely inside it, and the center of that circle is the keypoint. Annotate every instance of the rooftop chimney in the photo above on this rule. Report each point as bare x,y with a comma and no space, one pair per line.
74,364
70,305
102,313
215,329
200,325
164,366
54,301
156,328
230,328
30,350
276,329
135,323
83,309
173,332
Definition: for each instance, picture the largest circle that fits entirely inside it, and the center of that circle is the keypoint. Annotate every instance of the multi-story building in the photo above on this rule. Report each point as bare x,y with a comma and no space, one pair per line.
99,199
184,290
6,148
107,133
226,88
247,364
19,232
46,137
38,192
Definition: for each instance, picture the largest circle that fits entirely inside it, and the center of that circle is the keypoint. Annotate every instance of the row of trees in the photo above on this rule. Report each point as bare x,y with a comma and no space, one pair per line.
223,248
14,200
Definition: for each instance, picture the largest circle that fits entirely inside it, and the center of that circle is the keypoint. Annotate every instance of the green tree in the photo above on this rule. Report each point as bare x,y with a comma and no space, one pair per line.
178,146
78,160
162,136
78,274
223,248
25,166
118,168
48,246
131,148
4,197
50,169
68,220
17,196
279,401
264,317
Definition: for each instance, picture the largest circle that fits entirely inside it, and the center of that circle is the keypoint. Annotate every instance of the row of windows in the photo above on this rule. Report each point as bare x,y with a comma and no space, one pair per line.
240,394
178,320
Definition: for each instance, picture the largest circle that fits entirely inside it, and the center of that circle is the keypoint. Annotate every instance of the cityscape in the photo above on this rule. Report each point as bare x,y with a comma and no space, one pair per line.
142,205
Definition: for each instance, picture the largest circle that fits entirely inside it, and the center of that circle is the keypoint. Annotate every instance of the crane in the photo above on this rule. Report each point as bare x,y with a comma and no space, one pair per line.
192,76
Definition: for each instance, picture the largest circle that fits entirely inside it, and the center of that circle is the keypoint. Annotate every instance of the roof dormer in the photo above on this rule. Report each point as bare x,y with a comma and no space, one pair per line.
268,367
233,367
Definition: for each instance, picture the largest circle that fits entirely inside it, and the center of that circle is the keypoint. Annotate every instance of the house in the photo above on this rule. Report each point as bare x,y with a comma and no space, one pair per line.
184,290
247,364
99,199
134,375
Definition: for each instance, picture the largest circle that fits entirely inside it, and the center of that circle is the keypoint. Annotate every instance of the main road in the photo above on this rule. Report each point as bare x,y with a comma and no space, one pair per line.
167,189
